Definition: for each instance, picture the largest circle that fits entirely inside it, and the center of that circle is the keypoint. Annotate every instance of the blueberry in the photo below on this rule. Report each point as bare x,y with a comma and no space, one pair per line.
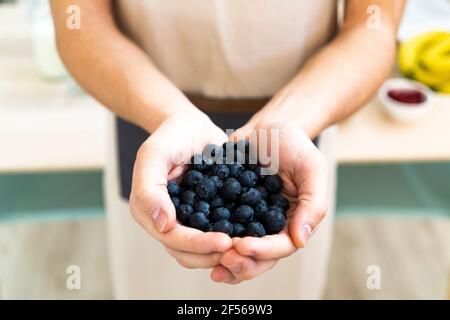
202,206
248,179
220,170
209,228
216,202
176,201
231,189
199,221
273,183
174,189
188,197
191,179
230,206
261,177
235,170
275,208
184,212
260,208
243,214
219,214
263,191
279,201
238,230
255,229
198,163
251,197
273,222
224,226
206,189
217,181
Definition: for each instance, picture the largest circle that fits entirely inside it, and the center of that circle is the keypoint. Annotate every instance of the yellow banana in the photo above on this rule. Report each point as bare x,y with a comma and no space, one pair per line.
437,57
427,77
409,51
444,87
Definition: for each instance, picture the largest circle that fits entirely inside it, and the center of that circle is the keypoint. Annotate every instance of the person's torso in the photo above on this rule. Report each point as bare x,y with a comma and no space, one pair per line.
228,48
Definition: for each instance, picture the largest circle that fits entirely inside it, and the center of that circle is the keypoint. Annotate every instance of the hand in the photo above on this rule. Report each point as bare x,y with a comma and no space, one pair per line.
160,159
303,170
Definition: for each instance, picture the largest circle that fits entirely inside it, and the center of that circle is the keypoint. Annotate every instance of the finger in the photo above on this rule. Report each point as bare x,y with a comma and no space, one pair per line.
221,274
149,197
187,239
266,248
245,268
312,202
195,261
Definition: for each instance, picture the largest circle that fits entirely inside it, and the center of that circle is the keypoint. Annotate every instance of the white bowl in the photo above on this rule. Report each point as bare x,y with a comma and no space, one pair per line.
405,112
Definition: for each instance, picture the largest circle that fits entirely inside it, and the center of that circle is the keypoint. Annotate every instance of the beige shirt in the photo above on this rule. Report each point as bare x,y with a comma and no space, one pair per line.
227,48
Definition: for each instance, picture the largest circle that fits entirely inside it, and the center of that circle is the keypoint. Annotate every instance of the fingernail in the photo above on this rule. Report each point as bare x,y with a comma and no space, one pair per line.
160,219
306,232
236,268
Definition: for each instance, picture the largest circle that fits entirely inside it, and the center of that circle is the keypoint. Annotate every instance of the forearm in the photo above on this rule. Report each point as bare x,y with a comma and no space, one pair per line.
342,76
338,80
112,68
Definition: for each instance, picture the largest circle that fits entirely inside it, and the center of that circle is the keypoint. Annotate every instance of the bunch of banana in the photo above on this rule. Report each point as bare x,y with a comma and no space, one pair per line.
426,58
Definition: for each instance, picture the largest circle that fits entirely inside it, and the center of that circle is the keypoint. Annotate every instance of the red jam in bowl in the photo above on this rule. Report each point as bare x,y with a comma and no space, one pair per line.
409,96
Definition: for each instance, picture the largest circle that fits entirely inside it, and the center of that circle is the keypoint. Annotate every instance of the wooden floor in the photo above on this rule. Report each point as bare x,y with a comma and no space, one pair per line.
413,256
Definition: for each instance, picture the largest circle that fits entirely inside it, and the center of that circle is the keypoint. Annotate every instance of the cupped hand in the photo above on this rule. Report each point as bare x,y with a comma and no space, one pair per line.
303,170
160,159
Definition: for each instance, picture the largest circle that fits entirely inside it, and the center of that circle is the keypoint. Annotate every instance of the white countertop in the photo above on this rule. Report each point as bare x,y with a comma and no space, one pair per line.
52,126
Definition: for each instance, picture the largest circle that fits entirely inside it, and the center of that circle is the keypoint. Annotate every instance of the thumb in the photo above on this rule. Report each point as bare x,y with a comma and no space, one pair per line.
152,205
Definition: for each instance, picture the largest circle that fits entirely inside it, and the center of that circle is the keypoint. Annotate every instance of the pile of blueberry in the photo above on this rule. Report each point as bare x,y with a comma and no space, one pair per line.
223,192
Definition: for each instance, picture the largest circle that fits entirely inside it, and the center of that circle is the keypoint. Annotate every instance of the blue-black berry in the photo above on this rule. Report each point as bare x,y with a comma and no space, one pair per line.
273,184
224,226
279,201
255,229
206,189
198,163
217,181
231,189
176,202
219,214
188,197
248,179
191,179
243,214
199,221
216,202
273,222
260,208
251,197
238,230
275,208
220,170
201,206
263,191
174,189
235,169
184,212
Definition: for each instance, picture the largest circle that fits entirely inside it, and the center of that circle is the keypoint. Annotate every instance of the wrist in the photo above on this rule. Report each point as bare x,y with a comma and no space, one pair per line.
304,113
157,115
